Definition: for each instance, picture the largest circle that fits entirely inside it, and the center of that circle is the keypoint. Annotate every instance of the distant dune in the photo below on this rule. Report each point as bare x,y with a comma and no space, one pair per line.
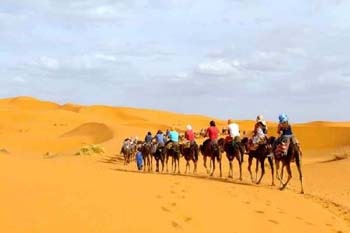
44,188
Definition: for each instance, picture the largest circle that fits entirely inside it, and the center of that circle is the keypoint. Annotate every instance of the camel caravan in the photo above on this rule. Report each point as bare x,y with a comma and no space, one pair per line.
279,151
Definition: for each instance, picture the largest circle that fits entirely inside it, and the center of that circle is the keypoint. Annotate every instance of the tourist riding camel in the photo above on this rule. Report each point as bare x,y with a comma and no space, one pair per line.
160,139
212,132
148,138
259,132
233,131
285,133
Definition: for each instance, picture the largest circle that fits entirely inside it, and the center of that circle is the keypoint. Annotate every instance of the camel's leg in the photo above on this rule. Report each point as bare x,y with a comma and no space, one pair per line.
173,164
195,167
272,170
150,163
298,163
250,160
162,163
230,172
205,164
283,165
166,162
220,164
178,164
212,160
277,164
162,159
187,166
240,167
262,161
157,165
256,169
289,171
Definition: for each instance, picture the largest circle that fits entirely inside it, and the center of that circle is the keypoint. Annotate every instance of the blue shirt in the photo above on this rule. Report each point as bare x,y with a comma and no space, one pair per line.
174,136
148,138
139,158
160,138
287,131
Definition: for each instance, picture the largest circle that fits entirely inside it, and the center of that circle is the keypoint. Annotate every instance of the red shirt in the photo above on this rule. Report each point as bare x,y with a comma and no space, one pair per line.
189,135
213,132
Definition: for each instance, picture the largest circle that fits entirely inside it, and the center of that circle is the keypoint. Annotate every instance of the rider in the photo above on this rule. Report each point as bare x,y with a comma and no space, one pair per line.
260,131
234,135
148,138
285,133
189,134
212,132
159,137
233,130
173,136
284,128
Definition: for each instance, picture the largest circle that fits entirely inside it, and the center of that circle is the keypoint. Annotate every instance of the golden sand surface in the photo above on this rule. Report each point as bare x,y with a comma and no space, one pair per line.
46,187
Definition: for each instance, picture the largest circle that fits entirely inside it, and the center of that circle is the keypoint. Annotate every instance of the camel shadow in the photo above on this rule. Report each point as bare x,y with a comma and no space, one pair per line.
197,176
112,159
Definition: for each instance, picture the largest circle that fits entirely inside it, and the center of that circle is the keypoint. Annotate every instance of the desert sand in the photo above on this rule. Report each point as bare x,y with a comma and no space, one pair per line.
46,187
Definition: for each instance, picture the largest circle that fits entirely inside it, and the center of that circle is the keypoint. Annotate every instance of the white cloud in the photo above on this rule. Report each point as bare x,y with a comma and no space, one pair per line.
49,63
19,79
105,57
219,67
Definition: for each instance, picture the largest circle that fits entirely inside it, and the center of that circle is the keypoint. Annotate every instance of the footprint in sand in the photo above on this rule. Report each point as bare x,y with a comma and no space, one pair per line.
187,219
309,223
165,209
273,221
259,211
176,225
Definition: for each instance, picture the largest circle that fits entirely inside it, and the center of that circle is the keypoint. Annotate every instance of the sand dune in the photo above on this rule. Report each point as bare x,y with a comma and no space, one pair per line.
97,193
96,132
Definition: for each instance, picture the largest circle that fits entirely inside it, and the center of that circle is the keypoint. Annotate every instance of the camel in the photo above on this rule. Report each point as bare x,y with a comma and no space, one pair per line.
172,150
260,154
127,151
147,157
214,152
190,152
158,153
233,151
293,154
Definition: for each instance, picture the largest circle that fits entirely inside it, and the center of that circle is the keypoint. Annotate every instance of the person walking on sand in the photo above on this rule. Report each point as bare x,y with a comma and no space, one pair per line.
139,159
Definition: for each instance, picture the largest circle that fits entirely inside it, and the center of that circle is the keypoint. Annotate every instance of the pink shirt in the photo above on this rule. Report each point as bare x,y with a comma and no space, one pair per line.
213,132
189,135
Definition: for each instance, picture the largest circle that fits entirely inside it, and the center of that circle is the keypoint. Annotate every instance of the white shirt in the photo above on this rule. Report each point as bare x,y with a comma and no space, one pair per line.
233,129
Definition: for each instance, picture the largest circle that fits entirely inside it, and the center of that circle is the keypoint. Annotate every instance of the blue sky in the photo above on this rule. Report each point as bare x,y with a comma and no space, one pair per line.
223,58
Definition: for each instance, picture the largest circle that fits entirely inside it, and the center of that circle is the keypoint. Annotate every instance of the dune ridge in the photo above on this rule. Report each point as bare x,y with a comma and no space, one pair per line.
45,187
